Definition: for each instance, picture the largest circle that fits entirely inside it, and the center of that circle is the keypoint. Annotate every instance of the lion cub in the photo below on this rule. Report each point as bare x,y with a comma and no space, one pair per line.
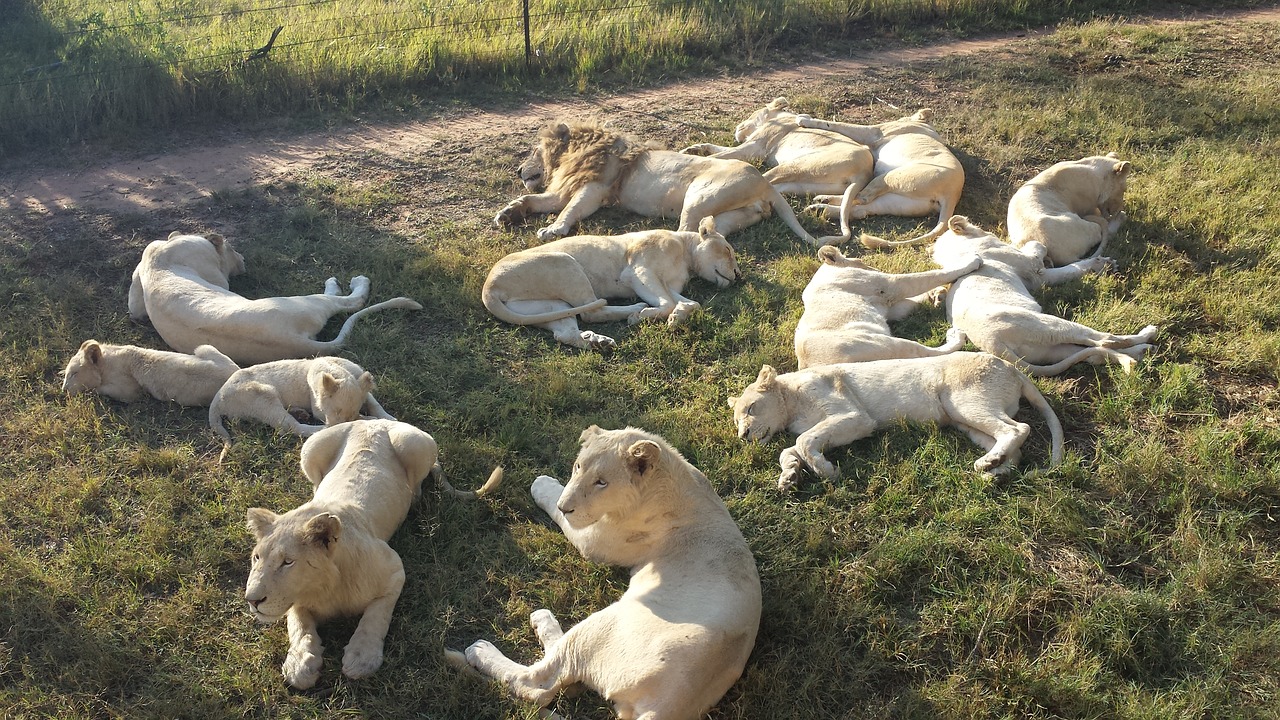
549,285
333,390
127,373
680,635
834,405
1071,207
329,557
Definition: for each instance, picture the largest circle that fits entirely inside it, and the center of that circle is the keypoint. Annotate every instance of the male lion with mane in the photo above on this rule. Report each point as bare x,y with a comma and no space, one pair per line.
678,638
576,168
550,284
329,557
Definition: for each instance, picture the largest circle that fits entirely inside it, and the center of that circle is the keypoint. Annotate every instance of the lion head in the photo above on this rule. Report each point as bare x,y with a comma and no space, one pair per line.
84,371
339,397
761,410
617,473
713,257
764,115
211,256
1115,180
292,560
568,156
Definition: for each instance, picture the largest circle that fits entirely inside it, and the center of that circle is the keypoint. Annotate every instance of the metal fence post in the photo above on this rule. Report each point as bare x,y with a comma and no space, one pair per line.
528,45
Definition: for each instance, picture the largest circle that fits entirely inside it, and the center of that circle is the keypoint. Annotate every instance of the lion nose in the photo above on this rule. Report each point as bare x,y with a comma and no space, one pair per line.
742,432
254,602
563,510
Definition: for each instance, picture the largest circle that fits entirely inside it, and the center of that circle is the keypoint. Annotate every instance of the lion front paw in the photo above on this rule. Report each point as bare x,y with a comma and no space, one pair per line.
788,479
598,342
683,310
482,653
301,669
511,214
806,121
822,467
546,492
360,660
703,149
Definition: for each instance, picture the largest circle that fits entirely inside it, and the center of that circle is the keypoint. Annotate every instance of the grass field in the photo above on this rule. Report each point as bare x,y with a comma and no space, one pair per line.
76,69
1141,579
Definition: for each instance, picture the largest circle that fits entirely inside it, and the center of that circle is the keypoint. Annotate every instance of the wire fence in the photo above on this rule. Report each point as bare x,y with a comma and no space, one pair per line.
73,68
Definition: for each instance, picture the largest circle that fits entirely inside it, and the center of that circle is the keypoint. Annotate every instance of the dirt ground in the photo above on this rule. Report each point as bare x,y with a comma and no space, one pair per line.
145,183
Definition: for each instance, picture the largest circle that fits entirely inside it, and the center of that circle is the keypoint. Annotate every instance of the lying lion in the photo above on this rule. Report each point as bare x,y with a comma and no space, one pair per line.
1071,207
679,637
550,284
835,405
181,285
993,306
848,306
332,390
804,161
329,557
128,373
575,169
915,175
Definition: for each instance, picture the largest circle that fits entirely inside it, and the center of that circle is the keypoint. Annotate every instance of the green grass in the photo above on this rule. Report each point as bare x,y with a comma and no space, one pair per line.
1141,579
72,69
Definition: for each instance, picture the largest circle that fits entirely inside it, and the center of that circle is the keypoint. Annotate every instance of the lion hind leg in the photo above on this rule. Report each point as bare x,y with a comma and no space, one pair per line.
546,627
537,683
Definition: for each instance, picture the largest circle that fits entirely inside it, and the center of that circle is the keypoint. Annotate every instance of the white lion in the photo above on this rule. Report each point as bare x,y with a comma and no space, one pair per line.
128,373
575,169
329,557
333,390
181,285
1071,207
551,284
804,161
916,174
834,405
993,306
679,637
848,306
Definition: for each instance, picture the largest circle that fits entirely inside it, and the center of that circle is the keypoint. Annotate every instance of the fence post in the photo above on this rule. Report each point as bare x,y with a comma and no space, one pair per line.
528,46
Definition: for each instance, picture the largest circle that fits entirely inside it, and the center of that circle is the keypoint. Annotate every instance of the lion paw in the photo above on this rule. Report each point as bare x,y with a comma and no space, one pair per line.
823,467
301,670
360,285
955,340
361,661
598,342
788,480
683,310
545,626
990,464
331,286
703,149
546,492
806,121
481,653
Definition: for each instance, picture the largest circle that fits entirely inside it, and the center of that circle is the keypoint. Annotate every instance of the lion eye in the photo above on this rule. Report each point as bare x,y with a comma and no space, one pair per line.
256,558
602,483
751,409
286,563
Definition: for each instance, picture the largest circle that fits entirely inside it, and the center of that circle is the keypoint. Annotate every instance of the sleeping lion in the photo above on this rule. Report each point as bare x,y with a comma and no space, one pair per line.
834,405
551,284
679,637
329,557
181,284
128,373
575,169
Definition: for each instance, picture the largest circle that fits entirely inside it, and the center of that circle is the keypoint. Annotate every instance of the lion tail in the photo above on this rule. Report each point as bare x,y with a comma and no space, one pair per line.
495,479
345,331
878,243
1036,398
498,307
783,209
216,422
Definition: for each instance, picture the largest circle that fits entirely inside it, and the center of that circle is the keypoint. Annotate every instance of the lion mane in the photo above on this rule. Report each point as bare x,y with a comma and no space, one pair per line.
588,152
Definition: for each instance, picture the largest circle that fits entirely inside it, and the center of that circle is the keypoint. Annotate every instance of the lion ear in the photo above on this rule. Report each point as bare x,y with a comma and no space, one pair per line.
217,240
707,227
260,521
366,382
92,351
642,456
779,103
589,432
1122,168
561,131
767,377
328,383
323,529
174,234
733,402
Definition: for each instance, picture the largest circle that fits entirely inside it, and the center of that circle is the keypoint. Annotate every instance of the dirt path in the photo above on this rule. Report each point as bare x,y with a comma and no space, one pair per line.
144,183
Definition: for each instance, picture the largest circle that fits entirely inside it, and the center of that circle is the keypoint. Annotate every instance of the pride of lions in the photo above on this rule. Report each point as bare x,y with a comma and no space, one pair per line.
681,634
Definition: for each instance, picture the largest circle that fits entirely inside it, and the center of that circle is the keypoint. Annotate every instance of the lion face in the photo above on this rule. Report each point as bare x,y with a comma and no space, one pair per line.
760,411
341,397
84,372
713,257
1115,180
762,116
608,475
292,561
533,171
